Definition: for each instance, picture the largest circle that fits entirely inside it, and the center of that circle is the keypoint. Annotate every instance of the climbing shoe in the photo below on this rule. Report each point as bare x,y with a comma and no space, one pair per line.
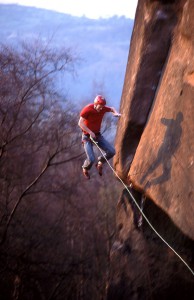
86,173
99,168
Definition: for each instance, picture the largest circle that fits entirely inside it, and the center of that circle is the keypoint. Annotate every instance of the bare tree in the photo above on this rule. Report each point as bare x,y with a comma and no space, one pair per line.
55,229
33,123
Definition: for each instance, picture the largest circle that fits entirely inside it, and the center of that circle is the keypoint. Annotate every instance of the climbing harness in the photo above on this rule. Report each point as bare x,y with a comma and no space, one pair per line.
141,211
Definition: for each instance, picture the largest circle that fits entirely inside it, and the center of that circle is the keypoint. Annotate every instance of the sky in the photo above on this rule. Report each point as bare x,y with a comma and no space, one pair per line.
93,9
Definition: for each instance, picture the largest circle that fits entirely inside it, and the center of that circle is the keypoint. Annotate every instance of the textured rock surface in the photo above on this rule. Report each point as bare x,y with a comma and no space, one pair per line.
142,266
155,151
155,135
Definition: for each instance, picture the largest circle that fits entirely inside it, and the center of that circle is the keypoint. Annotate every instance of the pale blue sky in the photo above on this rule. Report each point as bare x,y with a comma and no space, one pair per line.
90,8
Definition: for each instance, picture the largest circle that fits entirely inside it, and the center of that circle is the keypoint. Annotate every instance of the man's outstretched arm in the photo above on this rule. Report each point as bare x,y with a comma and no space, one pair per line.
115,112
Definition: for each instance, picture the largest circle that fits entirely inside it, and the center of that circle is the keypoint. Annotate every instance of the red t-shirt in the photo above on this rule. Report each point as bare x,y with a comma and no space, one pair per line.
93,118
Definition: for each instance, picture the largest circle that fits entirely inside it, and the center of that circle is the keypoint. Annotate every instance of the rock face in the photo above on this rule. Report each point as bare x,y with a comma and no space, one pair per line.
155,151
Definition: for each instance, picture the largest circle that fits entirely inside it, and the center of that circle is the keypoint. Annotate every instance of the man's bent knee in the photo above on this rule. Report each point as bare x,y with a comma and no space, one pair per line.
112,153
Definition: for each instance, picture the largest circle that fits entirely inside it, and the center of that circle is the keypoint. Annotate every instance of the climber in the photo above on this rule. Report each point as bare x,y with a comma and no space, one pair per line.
90,122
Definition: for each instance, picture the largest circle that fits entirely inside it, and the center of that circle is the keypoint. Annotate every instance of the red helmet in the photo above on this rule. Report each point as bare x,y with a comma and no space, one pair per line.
100,100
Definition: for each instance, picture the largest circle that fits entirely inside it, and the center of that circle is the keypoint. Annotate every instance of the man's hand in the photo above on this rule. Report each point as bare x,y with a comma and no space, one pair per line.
115,112
92,134
117,115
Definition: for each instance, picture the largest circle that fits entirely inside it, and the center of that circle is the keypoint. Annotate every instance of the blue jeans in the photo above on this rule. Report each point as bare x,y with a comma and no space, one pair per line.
104,145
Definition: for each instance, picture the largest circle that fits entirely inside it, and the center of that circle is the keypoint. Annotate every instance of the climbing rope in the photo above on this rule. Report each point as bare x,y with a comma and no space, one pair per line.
141,211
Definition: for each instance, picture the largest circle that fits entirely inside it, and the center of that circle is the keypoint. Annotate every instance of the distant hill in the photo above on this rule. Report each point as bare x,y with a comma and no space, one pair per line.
102,45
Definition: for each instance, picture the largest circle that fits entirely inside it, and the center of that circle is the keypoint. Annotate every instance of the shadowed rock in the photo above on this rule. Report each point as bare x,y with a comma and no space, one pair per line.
155,152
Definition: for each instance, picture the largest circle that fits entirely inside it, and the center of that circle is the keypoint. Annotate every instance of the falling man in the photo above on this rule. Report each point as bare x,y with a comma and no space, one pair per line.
90,122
